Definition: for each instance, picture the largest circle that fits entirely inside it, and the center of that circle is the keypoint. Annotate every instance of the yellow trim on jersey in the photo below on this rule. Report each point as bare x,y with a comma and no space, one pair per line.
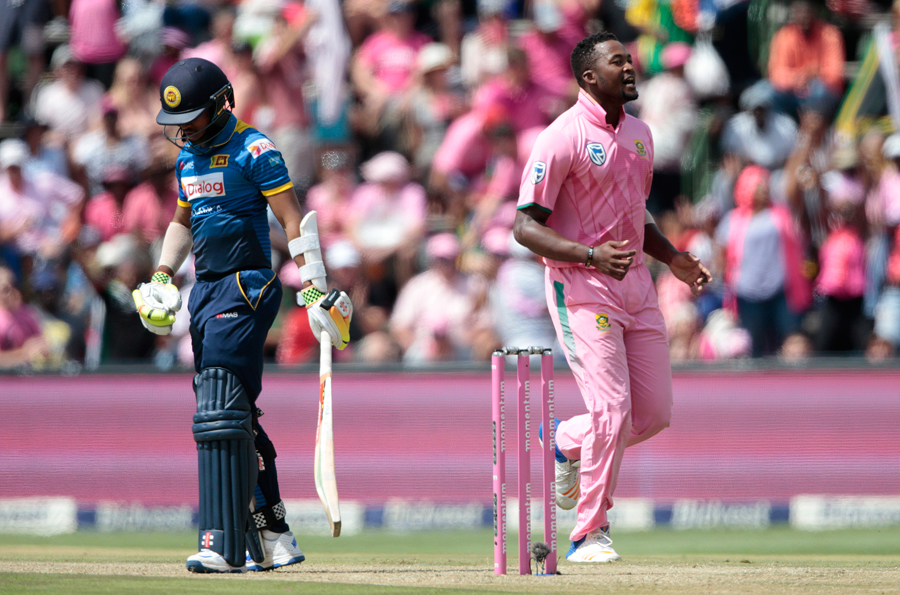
181,203
281,188
237,277
241,126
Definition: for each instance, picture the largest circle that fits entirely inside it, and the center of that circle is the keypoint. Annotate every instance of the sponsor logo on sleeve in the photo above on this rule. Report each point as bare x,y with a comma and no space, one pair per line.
219,161
203,186
258,147
538,171
597,153
641,150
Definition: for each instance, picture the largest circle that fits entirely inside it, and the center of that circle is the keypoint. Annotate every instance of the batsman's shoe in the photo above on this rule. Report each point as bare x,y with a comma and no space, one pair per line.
280,550
595,547
206,561
567,485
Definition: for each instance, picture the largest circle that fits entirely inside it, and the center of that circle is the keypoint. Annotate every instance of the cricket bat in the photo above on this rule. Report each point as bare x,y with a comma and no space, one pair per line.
326,481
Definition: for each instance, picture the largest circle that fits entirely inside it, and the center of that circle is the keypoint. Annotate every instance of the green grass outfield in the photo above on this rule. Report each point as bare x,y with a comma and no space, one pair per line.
664,561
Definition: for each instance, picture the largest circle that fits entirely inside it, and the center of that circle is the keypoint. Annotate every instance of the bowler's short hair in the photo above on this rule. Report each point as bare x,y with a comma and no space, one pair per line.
583,55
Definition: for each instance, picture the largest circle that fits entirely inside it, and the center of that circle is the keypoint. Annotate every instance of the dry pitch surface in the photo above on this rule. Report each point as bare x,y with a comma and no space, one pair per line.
386,564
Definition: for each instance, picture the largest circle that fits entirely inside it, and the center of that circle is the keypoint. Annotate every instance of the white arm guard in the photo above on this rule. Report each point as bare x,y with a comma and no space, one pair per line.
308,245
648,218
176,246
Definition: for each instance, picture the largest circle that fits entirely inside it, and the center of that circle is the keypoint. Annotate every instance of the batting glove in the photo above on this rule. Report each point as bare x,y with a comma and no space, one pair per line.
156,303
331,313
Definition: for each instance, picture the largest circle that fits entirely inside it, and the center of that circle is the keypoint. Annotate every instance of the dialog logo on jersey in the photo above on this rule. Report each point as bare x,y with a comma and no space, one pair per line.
203,186
538,171
597,153
258,147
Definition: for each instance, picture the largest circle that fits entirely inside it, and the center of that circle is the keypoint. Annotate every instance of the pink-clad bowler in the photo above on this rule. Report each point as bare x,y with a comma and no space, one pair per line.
582,207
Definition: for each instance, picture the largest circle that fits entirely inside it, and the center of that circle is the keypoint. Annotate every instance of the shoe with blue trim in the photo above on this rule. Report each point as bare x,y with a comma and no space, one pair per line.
280,550
567,486
595,547
208,561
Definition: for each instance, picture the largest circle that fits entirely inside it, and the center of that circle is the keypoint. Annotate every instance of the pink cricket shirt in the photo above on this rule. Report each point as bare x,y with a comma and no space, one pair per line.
592,178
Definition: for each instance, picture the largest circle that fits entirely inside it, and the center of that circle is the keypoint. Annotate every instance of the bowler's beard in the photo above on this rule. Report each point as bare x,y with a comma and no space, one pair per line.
629,95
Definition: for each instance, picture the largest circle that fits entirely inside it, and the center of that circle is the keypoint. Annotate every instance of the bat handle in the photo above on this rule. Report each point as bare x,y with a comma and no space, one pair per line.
324,353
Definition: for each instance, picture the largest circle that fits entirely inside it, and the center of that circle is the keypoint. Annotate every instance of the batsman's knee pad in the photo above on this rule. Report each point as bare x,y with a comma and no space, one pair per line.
227,461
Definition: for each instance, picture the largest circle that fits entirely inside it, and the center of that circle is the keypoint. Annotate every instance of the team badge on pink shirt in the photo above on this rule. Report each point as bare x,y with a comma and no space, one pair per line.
597,153
602,322
640,148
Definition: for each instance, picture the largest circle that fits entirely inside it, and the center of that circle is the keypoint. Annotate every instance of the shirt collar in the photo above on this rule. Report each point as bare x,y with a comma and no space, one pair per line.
596,113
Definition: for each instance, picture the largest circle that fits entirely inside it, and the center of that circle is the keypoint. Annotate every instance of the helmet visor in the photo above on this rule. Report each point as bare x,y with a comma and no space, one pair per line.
177,119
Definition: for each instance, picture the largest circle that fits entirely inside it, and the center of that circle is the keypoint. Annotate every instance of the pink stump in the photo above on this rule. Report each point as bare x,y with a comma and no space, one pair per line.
498,411
547,458
523,429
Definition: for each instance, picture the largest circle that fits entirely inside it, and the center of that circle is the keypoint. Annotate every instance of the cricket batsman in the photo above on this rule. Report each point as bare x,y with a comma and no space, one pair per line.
228,174
582,207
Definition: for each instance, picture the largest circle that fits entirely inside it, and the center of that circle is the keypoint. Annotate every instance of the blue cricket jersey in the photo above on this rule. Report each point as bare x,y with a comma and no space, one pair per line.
226,188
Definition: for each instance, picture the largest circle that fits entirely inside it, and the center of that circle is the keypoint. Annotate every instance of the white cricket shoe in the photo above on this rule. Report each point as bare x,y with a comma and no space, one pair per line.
280,550
206,561
567,484
596,547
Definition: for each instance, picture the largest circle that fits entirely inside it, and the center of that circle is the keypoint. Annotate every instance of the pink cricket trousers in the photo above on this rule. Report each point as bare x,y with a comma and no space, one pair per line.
614,338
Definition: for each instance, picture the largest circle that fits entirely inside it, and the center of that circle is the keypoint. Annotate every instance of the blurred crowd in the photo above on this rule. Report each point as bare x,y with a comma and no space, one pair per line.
407,124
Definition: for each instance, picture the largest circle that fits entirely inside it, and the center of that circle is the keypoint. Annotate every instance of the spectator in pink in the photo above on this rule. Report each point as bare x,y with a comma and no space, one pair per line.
483,51
281,60
93,39
498,185
383,69
435,317
39,214
150,206
106,211
842,268
330,198
389,215
463,154
69,104
462,158
527,105
558,27
763,258
21,340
